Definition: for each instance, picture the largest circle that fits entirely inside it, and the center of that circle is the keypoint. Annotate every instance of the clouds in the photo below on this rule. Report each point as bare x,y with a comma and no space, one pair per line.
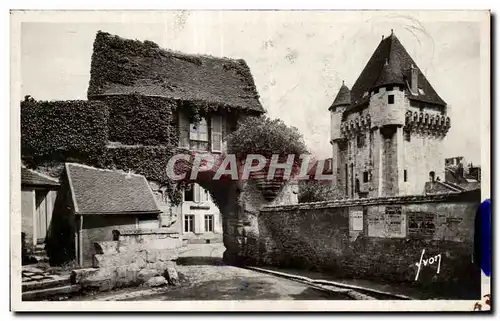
298,60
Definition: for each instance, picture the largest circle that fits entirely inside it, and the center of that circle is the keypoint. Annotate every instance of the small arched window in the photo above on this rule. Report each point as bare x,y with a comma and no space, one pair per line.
432,176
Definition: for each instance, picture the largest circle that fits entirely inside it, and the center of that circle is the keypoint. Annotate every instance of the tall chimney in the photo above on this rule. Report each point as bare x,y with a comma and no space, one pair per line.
414,79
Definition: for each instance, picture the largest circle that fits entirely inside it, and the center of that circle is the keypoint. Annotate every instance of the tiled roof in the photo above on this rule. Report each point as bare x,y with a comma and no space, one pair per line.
397,71
343,97
390,75
165,73
327,168
101,191
31,178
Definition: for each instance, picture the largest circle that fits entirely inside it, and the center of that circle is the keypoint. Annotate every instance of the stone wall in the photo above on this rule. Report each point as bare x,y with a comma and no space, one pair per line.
163,238
98,228
138,257
380,239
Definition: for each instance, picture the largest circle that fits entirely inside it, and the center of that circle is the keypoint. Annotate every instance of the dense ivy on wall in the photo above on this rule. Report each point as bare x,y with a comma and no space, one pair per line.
135,119
62,130
80,131
111,62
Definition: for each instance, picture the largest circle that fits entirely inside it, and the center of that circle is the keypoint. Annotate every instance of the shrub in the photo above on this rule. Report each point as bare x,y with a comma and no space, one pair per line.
265,136
314,191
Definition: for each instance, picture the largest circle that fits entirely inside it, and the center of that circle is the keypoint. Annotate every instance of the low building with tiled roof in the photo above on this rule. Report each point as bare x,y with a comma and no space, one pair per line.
387,130
95,205
33,178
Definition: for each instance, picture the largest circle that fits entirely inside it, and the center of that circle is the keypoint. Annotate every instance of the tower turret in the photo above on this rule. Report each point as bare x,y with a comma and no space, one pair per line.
342,100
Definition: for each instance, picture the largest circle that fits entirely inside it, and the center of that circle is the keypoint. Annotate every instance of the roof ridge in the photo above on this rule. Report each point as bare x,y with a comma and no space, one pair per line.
41,174
172,51
118,171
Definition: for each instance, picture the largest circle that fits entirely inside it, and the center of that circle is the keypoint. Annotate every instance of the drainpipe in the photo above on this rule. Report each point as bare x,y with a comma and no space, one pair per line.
35,218
80,237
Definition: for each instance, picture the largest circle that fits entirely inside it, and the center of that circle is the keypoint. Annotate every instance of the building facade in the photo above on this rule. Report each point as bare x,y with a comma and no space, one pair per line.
200,97
387,131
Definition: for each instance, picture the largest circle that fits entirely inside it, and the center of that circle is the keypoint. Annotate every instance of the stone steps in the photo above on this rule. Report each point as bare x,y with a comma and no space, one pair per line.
46,284
41,294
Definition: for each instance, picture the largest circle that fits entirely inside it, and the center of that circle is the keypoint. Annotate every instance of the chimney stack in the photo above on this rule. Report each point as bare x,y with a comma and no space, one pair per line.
414,79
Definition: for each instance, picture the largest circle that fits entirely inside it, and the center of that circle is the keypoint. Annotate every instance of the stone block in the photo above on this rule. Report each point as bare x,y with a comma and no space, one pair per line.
78,275
156,281
106,247
163,255
172,276
102,280
127,276
119,259
145,274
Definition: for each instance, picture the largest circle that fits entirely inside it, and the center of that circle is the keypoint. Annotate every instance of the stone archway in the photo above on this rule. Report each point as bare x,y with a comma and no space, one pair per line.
239,202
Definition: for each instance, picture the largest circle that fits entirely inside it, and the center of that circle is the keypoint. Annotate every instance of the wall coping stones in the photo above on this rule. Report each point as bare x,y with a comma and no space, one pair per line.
390,200
149,231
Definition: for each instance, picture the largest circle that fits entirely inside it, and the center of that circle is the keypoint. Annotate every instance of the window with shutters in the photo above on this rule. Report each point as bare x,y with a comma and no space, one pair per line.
216,133
204,135
198,135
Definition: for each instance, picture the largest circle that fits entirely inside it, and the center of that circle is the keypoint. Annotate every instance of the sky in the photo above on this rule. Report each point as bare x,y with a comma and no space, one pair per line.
298,60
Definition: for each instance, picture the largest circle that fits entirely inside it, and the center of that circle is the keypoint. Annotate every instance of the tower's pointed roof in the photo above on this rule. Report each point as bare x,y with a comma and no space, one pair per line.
343,97
391,64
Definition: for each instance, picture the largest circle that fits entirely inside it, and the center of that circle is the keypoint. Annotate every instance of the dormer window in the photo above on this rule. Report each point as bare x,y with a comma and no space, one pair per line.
389,88
421,91
365,94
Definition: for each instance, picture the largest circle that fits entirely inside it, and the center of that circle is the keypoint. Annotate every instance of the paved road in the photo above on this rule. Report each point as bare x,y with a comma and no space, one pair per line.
205,277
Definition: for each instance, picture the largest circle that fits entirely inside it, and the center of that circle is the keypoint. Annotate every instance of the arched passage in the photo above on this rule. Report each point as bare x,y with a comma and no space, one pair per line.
239,202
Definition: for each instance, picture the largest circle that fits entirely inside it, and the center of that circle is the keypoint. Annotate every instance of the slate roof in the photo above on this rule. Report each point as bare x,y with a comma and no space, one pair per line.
102,191
343,97
396,71
170,74
32,178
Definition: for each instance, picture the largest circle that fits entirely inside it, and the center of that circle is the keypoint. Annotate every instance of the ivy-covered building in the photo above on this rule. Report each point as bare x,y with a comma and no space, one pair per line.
144,105
173,99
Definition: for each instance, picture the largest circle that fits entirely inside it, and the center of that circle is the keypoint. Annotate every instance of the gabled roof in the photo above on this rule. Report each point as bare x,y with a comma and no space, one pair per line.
397,71
327,168
122,66
35,179
102,191
343,97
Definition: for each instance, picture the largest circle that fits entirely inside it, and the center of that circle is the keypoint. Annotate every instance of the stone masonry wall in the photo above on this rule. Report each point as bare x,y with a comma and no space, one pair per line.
380,239
98,228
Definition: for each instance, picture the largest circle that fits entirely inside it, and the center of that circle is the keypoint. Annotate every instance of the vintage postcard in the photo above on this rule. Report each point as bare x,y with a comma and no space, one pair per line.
250,161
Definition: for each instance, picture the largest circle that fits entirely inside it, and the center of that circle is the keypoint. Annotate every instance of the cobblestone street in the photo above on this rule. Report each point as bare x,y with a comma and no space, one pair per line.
205,277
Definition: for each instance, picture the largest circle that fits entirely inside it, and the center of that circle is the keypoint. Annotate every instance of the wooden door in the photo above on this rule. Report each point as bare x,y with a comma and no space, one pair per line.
44,207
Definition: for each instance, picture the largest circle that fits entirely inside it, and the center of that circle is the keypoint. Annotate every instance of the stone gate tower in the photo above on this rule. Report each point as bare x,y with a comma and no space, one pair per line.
387,131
